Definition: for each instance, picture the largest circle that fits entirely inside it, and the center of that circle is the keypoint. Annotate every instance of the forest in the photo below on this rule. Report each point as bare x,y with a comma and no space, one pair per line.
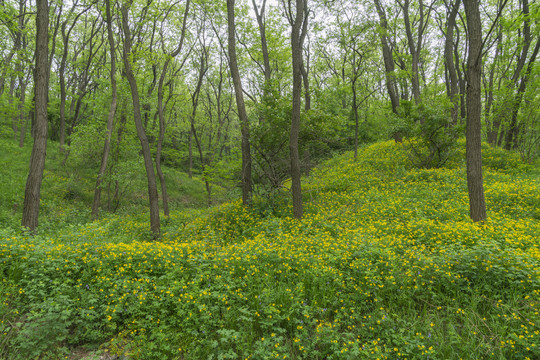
289,179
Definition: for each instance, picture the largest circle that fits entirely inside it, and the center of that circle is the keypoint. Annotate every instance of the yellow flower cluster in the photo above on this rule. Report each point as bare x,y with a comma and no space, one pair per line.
385,263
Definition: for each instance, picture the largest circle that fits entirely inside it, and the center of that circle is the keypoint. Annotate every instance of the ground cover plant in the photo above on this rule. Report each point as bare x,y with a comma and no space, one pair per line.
386,264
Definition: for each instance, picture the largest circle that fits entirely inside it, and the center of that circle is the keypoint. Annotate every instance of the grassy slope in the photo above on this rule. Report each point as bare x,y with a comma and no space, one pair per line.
67,194
385,264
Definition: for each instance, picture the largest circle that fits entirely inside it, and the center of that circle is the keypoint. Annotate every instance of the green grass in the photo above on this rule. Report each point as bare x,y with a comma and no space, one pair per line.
385,265
67,190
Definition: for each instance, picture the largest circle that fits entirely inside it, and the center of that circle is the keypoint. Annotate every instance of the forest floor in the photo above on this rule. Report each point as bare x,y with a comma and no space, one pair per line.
385,264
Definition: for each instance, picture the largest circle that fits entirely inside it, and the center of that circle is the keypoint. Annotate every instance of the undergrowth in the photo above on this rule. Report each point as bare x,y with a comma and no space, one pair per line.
385,264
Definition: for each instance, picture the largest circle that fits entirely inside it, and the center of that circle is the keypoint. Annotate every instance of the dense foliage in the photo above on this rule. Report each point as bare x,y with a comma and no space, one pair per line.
385,264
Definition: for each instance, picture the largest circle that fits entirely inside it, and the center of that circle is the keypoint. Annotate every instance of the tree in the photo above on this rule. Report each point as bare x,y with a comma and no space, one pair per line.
452,82
261,22
242,114
415,47
388,58
41,79
511,140
161,114
112,111
298,21
141,133
475,183
61,75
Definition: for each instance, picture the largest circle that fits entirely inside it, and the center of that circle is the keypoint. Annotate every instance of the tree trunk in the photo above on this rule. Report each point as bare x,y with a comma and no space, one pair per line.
148,164
453,88
461,80
22,118
190,154
307,94
242,114
355,109
513,129
110,119
298,32
37,160
414,49
161,137
391,85
492,123
264,45
475,184
10,102
61,77
193,134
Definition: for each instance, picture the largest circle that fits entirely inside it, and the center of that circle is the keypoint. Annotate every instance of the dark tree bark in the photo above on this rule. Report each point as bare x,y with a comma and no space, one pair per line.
307,93
161,115
148,164
415,46
190,154
20,42
264,44
355,110
10,101
242,114
62,70
513,129
493,122
503,128
461,80
391,85
298,21
37,160
453,86
193,133
22,118
110,119
5,60
475,183
116,156
522,79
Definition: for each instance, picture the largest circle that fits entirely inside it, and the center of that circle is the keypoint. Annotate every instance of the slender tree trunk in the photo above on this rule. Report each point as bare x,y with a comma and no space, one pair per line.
391,85
461,80
475,182
116,157
453,87
414,48
513,129
3,76
298,32
110,119
264,45
61,77
355,108
492,122
10,102
242,114
190,152
17,45
161,116
159,171
148,164
508,132
22,120
195,103
307,94
37,160
203,163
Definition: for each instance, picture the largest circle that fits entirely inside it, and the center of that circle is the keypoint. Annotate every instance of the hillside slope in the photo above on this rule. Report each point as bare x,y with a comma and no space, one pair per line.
385,265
